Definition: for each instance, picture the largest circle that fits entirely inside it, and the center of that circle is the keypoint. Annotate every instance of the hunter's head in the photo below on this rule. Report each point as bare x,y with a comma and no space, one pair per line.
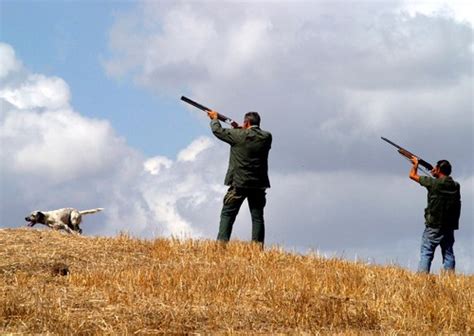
443,168
251,119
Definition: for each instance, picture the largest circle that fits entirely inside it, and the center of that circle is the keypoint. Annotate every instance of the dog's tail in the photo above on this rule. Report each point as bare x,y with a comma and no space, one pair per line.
90,211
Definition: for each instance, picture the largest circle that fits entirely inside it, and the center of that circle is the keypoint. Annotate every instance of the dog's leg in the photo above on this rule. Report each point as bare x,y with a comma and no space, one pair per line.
67,229
76,218
60,226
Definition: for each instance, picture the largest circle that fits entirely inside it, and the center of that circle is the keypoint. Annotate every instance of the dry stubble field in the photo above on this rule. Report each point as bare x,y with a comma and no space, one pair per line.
53,283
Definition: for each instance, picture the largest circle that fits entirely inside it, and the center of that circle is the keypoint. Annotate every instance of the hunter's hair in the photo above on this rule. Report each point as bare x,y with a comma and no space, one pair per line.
444,167
253,118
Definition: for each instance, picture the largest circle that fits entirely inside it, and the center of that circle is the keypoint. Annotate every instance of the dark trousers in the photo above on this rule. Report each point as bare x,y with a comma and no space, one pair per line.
232,202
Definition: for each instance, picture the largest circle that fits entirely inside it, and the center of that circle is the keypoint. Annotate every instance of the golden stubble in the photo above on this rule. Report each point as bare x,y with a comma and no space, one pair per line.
54,283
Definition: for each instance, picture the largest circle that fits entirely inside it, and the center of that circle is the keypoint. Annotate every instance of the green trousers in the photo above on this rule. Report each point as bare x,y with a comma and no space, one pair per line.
232,202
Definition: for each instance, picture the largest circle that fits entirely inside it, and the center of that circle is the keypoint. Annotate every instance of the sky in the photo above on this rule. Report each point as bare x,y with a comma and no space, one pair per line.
90,116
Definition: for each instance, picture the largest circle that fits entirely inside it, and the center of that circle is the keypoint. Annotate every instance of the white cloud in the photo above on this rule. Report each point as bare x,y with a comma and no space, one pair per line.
155,164
184,193
8,61
57,144
246,43
461,10
194,149
38,91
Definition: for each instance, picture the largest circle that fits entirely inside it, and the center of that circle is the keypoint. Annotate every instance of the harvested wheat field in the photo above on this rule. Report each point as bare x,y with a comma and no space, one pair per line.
54,283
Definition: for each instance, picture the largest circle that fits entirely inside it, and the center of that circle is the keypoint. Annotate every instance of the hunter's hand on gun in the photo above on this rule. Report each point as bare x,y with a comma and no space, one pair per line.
414,160
212,114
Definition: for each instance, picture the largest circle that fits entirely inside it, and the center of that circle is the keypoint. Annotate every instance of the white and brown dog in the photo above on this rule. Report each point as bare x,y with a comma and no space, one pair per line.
67,219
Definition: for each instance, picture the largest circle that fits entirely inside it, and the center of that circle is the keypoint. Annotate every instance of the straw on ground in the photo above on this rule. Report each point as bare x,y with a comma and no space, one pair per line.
64,284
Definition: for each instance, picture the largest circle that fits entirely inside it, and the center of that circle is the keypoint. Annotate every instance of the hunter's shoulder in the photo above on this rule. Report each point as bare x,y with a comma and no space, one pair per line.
450,179
262,132
450,182
446,182
427,181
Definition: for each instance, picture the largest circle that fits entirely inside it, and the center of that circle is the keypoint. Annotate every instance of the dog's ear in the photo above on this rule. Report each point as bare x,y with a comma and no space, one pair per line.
40,217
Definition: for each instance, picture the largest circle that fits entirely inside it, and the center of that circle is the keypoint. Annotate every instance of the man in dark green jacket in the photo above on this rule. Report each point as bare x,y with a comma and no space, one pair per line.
441,214
247,175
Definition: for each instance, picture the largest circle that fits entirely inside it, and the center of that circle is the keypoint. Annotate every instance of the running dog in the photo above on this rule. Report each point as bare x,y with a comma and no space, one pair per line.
67,219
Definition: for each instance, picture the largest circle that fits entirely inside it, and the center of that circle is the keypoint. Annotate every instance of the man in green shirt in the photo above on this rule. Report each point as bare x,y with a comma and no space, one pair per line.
247,175
441,214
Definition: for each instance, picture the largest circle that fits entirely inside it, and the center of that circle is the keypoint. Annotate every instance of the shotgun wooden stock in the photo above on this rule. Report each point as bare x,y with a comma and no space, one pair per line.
409,155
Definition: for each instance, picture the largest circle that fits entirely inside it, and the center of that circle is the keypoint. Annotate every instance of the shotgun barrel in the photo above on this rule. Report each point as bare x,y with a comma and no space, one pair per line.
221,117
408,154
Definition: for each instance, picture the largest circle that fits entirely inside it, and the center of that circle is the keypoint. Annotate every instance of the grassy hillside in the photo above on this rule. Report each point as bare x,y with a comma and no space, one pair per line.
62,284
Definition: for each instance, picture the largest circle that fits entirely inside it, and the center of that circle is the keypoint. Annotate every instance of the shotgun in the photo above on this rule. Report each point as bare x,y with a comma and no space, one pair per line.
221,117
409,155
